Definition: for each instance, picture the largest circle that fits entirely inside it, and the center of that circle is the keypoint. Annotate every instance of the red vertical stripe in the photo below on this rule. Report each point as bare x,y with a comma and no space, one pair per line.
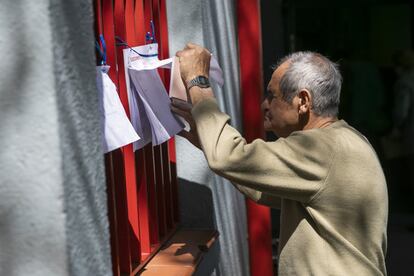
109,168
126,30
147,15
163,28
122,223
249,32
98,17
113,224
156,21
169,212
143,204
109,35
143,173
159,177
139,22
152,194
160,22
174,184
171,148
118,223
130,22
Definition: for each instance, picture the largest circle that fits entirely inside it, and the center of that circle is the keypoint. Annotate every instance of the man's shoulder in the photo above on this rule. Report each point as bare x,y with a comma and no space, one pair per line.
337,137
322,136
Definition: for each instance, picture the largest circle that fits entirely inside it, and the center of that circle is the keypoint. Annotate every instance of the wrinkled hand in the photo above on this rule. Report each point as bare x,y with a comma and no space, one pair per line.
194,61
183,109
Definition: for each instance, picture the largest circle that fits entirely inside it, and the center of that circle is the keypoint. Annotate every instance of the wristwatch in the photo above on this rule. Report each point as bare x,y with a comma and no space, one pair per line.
200,81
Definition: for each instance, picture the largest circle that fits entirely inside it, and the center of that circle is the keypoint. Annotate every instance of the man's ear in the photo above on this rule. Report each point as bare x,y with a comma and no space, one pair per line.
305,101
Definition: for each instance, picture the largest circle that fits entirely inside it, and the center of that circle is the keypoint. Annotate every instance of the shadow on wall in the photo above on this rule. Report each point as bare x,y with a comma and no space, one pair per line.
196,205
197,211
209,264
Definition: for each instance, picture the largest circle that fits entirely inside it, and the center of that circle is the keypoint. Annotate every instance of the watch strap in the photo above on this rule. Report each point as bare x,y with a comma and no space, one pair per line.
200,81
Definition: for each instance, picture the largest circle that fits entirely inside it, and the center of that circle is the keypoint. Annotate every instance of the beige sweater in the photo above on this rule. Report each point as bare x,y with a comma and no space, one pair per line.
334,205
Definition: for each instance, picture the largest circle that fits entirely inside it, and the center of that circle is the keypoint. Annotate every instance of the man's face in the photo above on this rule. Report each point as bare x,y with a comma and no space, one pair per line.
280,116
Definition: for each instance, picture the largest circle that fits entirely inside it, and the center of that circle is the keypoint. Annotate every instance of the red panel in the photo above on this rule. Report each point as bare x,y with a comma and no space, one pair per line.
143,174
142,192
130,22
174,184
169,211
103,15
110,172
159,177
109,35
98,17
163,29
160,22
122,223
113,224
147,15
171,148
124,28
143,205
156,21
152,194
174,187
139,22
249,32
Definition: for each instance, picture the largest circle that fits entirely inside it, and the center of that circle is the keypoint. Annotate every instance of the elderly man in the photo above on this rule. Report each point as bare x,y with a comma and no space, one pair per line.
333,194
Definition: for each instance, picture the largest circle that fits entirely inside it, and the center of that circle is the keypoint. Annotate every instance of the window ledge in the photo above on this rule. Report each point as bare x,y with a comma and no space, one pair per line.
181,254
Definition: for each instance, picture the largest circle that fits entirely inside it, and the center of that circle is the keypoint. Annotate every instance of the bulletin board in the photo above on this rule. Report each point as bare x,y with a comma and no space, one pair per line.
141,185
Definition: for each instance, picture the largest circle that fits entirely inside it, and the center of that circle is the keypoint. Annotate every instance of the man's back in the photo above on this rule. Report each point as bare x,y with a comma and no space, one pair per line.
333,191
342,229
334,195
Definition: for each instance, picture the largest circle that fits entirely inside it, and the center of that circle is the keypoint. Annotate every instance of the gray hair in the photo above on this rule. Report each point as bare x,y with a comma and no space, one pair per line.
316,73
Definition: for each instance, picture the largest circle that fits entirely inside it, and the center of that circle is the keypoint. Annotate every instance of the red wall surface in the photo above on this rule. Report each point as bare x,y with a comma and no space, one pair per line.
142,185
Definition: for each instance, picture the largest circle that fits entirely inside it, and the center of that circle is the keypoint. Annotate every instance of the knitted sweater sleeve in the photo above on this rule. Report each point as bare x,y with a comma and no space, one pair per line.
292,168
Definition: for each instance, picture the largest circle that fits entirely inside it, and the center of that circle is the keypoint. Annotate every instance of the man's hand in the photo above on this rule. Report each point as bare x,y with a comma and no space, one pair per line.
183,109
194,61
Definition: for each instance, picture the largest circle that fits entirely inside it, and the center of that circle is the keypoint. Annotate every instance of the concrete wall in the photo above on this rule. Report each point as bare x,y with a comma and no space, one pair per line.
83,174
207,200
32,221
52,190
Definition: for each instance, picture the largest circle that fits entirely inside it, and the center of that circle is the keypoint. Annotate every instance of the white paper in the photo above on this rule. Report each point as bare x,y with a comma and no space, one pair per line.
177,87
148,60
117,130
139,118
148,89
149,103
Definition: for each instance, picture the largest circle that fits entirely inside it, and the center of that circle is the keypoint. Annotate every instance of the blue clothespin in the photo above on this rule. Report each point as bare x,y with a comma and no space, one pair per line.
154,40
150,36
101,50
101,37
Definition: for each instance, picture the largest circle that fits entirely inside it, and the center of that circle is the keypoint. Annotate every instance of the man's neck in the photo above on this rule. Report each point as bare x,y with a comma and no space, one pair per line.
319,121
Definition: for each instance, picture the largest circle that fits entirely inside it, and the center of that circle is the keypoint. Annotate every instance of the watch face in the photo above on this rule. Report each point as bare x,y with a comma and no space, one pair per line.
203,80
200,81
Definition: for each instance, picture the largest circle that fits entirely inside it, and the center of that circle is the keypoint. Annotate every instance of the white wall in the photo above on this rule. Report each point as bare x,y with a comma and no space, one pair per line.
32,232
52,192
207,200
